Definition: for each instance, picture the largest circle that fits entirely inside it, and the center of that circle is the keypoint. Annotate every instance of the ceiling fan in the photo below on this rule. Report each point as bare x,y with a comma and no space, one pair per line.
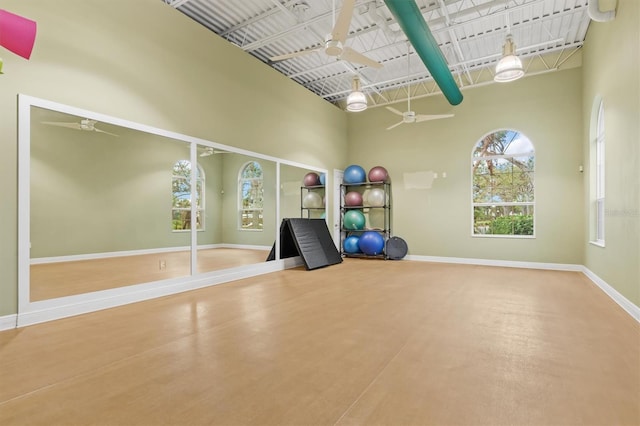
334,42
85,124
207,151
410,116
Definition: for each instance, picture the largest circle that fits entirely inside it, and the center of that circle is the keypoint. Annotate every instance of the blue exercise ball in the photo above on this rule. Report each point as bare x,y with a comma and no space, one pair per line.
323,179
371,243
351,244
354,174
354,219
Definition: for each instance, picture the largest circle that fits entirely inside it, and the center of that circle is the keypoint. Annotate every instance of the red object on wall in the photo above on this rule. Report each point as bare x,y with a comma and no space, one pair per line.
17,34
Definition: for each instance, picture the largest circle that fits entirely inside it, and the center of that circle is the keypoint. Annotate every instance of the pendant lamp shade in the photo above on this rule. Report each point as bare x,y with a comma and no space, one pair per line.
509,67
356,101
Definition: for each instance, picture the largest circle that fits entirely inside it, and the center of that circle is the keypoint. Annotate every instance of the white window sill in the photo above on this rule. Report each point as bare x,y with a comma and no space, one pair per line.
597,243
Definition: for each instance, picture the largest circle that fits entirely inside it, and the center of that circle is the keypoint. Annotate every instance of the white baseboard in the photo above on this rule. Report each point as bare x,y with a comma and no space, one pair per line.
49,310
503,263
624,303
8,322
106,255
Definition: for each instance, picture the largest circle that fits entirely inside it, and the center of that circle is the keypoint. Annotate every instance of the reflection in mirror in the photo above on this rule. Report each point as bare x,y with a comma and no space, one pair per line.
101,213
107,208
302,193
240,205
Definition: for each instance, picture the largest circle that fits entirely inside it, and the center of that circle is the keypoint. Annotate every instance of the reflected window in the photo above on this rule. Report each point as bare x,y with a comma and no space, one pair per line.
503,185
182,196
599,176
250,196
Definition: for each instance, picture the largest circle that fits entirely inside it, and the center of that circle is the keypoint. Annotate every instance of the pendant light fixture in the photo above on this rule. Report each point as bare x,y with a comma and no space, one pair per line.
509,67
356,101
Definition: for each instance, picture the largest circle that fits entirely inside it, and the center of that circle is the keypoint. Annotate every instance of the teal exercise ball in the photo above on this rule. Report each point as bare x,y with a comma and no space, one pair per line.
354,219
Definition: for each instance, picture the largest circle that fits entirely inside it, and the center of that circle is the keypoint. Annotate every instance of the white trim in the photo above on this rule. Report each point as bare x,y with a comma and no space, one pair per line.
8,322
624,303
503,263
49,310
106,255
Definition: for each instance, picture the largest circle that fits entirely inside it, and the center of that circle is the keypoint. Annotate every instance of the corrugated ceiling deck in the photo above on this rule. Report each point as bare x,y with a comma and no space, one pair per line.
470,34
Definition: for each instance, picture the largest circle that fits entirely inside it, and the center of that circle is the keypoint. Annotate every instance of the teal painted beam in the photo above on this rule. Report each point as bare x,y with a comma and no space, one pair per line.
415,28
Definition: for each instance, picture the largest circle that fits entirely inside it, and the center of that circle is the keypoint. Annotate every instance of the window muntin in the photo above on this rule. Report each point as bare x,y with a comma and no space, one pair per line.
600,172
251,197
181,197
503,196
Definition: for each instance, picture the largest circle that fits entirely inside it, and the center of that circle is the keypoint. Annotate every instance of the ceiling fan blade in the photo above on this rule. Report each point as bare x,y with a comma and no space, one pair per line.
395,111
350,55
395,125
341,28
422,117
102,131
294,54
63,124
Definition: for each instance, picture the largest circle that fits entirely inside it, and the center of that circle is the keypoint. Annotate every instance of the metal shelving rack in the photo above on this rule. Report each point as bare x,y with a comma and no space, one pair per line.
366,209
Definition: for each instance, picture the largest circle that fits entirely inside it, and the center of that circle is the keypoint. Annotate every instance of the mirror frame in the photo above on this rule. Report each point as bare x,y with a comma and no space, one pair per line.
45,310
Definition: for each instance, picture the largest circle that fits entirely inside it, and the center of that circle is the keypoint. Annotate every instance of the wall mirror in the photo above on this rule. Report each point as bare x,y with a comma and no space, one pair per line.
113,211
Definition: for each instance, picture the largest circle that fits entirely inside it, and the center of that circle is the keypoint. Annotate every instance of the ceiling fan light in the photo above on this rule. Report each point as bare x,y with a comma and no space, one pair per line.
509,67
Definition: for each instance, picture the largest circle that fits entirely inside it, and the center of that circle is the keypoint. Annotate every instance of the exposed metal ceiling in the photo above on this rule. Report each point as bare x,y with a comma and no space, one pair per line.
470,34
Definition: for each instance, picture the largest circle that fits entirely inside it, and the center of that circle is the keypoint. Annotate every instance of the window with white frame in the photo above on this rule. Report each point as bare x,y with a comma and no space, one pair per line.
503,200
182,196
250,197
599,175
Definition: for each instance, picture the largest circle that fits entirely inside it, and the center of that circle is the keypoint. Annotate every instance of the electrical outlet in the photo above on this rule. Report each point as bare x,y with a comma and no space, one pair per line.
163,265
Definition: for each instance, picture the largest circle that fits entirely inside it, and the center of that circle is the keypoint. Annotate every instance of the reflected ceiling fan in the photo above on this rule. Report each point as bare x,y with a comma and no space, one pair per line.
334,42
85,124
410,116
207,151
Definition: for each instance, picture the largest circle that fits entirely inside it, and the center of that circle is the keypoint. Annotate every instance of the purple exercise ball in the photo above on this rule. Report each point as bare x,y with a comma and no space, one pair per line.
353,198
311,179
371,243
378,174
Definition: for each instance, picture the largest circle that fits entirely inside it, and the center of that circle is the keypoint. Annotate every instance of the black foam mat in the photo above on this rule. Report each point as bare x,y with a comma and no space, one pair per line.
308,238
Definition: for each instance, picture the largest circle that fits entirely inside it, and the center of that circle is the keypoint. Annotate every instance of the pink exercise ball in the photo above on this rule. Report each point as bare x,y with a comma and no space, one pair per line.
311,179
353,198
378,174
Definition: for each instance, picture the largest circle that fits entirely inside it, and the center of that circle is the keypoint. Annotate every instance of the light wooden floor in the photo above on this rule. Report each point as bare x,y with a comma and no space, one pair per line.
364,342
51,280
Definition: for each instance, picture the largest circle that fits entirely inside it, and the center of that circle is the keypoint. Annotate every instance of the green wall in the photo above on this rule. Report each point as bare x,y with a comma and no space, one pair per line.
145,62
437,221
611,71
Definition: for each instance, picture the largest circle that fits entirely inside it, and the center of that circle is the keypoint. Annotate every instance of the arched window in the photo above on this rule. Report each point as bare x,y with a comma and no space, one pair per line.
250,196
503,185
599,175
181,193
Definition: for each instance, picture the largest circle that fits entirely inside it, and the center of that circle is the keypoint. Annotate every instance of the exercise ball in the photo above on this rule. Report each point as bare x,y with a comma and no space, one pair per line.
351,244
353,198
378,174
311,179
376,197
323,179
354,219
376,219
354,174
371,243
312,200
